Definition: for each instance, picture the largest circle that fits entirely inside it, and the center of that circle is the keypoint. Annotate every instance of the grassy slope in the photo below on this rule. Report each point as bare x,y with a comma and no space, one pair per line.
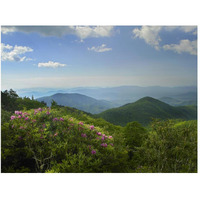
144,110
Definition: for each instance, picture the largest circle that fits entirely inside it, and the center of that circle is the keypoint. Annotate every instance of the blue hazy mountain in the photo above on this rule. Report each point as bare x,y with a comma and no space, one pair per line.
120,95
78,101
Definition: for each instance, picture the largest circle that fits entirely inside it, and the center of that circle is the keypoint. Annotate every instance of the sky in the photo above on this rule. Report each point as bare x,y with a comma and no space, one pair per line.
98,56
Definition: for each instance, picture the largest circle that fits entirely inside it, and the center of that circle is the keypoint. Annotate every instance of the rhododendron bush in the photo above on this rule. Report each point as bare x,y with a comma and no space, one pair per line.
44,141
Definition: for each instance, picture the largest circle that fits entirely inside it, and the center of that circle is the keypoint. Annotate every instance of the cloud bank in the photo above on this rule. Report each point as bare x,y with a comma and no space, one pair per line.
150,34
10,53
82,32
185,46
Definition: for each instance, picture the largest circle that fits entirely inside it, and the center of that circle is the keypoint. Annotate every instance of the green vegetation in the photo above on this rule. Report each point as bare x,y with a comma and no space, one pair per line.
144,110
64,140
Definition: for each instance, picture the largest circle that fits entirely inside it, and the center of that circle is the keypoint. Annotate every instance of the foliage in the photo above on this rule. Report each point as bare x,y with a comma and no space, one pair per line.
170,147
64,139
57,142
144,110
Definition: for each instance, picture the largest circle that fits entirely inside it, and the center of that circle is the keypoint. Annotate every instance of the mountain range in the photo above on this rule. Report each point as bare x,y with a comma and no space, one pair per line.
144,110
123,94
78,101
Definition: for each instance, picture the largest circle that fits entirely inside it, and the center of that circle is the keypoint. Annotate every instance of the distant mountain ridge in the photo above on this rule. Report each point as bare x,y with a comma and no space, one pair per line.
79,101
119,95
144,110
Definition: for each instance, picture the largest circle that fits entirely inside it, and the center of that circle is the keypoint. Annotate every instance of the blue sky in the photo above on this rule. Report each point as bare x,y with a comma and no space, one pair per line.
103,56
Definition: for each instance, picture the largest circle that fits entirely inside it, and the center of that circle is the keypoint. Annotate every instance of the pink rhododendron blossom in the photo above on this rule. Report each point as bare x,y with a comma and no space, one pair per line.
61,119
17,112
106,137
111,144
33,120
104,145
80,123
55,134
110,137
93,151
19,116
99,133
55,119
103,138
92,127
26,118
83,135
39,109
21,127
12,117
103,135
48,113
97,138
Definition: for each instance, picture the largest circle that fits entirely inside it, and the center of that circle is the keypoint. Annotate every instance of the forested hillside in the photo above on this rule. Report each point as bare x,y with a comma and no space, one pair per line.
64,140
145,109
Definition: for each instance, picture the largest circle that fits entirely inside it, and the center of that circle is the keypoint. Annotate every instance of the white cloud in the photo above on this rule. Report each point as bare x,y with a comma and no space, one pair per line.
186,46
185,29
100,49
51,64
150,34
10,53
81,31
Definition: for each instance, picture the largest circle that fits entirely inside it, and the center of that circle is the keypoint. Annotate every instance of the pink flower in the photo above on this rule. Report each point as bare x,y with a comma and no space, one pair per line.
41,137
21,127
70,119
33,120
80,123
12,117
93,152
55,119
104,135
99,133
13,126
55,134
43,125
103,138
110,137
48,113
92,127
19,116
17,112
104,145
39,109
61,119
97,138
111,144
83,135
26,118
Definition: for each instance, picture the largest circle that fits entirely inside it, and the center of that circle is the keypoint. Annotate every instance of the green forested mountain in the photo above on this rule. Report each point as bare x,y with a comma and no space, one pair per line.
145,109
78,101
